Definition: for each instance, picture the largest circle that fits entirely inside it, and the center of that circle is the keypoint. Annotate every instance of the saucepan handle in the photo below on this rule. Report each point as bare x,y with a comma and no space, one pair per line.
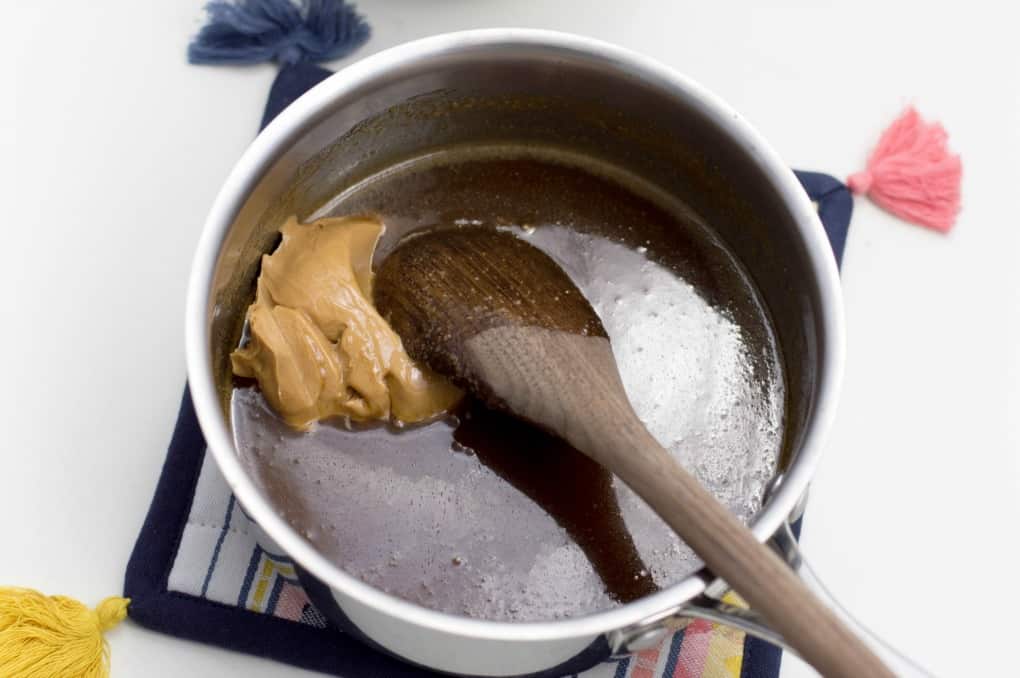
712,608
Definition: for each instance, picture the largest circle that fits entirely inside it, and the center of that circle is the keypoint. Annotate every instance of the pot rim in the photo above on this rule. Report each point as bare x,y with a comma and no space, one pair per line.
311,107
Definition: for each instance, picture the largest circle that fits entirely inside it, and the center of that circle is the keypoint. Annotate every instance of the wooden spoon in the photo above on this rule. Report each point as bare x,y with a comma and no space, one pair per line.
502,319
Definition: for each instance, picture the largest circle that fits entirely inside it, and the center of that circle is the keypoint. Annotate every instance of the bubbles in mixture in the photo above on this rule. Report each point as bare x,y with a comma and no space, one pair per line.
690,374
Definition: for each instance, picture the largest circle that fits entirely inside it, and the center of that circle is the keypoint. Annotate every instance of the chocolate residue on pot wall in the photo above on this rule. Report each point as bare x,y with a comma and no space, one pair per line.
483,515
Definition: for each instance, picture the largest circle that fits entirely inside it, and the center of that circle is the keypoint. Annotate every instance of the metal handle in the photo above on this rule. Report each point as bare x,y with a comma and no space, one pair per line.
750,622
711,607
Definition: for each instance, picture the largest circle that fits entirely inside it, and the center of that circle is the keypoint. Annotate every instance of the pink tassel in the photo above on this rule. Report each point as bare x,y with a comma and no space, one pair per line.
912,174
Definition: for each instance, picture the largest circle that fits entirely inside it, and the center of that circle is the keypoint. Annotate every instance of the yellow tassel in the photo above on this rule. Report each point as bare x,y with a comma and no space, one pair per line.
55,636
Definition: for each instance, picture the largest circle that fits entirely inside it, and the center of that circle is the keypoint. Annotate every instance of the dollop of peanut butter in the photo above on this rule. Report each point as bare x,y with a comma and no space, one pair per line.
318,347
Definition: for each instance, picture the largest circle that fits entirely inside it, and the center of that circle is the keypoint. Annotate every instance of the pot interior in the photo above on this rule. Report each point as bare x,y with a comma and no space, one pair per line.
709,217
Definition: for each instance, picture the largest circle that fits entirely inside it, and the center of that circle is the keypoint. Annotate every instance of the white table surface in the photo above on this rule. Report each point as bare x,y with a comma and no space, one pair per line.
114,148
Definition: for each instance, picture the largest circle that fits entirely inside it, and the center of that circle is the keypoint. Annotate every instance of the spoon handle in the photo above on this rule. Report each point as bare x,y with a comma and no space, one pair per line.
570,384
732,552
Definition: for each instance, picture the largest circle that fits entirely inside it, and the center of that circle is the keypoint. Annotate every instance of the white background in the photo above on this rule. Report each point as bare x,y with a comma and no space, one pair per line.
113,148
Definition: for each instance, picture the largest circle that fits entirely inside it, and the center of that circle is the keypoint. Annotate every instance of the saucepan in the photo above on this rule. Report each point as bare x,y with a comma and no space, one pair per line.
541,87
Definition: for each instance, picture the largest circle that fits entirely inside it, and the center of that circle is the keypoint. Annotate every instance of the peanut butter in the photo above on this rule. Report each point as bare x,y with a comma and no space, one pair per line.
318,347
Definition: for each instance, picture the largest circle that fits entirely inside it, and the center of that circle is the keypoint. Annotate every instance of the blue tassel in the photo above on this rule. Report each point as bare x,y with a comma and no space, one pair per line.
253,31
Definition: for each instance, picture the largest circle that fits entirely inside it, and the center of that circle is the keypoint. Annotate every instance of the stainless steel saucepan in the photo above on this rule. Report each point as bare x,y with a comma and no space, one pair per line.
541,87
